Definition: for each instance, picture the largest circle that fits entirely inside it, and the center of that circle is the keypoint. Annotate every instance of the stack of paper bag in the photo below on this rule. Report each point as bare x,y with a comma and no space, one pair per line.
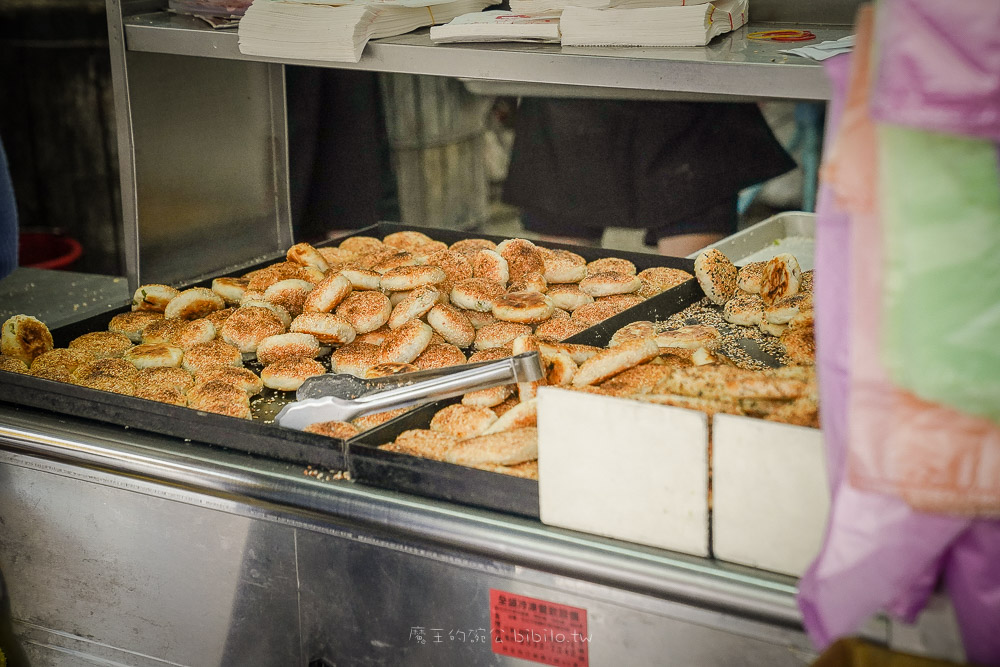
338,33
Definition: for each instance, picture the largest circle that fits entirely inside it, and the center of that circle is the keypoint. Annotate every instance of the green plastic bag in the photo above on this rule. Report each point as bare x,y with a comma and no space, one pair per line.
940,202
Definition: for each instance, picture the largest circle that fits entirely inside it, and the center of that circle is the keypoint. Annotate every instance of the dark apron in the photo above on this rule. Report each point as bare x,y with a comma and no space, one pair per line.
654,165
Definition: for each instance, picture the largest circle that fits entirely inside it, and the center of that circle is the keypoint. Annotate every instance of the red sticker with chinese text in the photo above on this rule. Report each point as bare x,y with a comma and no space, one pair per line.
537,630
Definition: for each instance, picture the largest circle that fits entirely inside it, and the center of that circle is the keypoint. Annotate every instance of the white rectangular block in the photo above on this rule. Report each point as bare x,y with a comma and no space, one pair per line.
623,469
770,493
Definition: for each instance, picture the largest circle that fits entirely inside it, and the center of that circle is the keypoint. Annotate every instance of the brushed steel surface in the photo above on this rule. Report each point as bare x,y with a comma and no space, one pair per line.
731,65
210,165
253,487
138,580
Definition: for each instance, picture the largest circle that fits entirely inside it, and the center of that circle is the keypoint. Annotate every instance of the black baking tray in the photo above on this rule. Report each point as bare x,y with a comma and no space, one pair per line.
361,455
481,488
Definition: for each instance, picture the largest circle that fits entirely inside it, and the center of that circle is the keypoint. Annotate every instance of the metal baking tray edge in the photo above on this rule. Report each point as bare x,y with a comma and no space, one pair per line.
360,455
748,241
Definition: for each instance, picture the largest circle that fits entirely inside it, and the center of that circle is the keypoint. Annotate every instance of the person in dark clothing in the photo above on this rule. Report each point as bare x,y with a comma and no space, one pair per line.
672,168
8,219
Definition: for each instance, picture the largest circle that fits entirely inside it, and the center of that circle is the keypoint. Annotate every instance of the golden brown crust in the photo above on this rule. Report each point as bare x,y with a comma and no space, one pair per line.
337,257
328,294
193,303
469,247
290,294
563,266
743,310
355,358
463,421
499,334
327,328
193,332
305,254
489,265
248,325
488,398
780,278
210,355
406,240
152,355
102,344
608,363
452,324
716,275
422,442
289,374
153,297
167,395
261,279
59,364
595,313
439,355
287,346
505,448
230,289
361,245
406,343
455,266
366,422
133,322
522,258
164,378
376,337
415,304
394,261
25,338
749,276
243,379
334,429
220,398
491,354
114,375
800,345
609,283
390,368
366,311
610,264
690,337
405,278
730,383
664,277
519,416
523,307
13,364
641,379
640,329
559,328
477,294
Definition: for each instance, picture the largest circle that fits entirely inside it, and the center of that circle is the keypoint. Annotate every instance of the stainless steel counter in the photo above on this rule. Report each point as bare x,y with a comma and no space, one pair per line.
156,532
731,67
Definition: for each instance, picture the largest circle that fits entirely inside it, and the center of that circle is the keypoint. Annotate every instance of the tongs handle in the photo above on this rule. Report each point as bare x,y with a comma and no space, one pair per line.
460,380
522,368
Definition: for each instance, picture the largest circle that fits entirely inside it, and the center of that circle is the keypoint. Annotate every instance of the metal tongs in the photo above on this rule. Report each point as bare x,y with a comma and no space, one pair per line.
342,397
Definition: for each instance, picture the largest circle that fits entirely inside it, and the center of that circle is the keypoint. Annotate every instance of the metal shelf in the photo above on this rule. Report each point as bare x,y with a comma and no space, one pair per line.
730,67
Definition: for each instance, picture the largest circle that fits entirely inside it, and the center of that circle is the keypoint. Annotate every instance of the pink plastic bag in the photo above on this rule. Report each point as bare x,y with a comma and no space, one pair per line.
939,66
878,554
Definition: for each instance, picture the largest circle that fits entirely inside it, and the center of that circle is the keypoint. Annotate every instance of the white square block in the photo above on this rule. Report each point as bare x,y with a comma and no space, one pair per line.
770,495
623,469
